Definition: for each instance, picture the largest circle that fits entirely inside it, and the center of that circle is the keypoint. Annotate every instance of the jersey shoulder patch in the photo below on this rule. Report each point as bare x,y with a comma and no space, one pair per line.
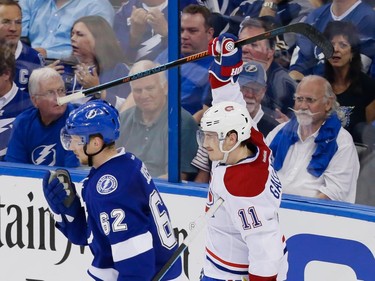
106,184
246,180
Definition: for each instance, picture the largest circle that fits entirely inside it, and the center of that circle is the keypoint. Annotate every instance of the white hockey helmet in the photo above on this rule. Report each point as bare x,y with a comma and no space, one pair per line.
224,117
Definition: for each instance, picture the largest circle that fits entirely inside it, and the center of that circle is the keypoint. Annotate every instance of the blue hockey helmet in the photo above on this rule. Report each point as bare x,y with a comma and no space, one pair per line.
91,118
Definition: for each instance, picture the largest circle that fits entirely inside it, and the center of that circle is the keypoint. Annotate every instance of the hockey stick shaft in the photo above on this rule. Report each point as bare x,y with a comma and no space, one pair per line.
300,28
200,223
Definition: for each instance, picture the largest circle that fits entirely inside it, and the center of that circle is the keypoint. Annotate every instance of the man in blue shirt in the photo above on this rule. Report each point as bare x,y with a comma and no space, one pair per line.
47,23
142,28
196,32
36,133
27,59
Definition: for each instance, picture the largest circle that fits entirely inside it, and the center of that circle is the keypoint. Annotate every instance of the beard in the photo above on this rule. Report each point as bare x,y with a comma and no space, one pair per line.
250,107
304,119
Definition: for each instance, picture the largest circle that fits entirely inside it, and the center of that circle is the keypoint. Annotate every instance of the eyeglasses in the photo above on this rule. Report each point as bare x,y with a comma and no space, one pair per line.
9,23
308,100
52,93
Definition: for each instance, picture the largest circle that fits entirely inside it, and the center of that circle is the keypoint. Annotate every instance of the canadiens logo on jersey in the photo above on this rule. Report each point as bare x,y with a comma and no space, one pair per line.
106,184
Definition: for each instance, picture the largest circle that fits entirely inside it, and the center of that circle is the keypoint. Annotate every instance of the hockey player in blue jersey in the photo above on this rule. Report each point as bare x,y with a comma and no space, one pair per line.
127,226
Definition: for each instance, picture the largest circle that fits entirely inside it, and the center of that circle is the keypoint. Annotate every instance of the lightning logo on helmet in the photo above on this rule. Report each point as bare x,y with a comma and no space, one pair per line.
93,113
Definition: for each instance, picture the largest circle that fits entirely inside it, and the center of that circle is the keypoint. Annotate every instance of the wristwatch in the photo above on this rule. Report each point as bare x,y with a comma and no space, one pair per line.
271,5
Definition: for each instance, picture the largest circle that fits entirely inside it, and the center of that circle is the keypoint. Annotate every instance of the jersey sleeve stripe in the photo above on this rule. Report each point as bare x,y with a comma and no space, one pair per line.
102,273
132,247
226,265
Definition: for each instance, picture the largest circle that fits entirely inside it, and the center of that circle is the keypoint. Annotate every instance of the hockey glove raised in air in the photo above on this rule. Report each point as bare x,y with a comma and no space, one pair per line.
61,195
228,60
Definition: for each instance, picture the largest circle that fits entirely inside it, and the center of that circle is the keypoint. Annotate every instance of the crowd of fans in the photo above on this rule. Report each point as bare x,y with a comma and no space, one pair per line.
79,44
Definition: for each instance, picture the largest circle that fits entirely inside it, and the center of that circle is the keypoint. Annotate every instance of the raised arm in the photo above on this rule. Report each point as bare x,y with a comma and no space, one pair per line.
224,71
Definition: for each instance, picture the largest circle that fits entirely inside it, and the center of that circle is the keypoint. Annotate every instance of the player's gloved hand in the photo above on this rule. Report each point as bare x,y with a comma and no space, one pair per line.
61,195
228,60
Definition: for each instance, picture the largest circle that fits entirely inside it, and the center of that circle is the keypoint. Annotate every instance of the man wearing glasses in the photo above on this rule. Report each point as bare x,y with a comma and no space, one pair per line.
313,155
36,133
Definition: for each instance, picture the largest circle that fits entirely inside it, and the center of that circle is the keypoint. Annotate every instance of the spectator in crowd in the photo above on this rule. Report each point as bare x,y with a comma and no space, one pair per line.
221,11
99,59
36,132
253,84
308,59
355,90
283,11
142,28
280,87
223,7
313,155
27,59
196,32
144,127
13,100
47,23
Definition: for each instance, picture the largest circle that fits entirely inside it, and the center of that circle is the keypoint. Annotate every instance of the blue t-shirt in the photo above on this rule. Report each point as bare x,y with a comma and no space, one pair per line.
32,142
27,59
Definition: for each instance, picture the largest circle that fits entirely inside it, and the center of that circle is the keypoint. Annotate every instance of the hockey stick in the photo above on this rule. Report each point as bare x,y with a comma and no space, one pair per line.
199,225
300,28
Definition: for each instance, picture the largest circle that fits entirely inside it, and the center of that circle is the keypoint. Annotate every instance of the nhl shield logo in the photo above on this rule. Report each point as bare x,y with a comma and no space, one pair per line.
106,184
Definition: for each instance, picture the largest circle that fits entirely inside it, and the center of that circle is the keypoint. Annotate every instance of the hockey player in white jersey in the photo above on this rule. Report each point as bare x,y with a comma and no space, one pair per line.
244,240
127,226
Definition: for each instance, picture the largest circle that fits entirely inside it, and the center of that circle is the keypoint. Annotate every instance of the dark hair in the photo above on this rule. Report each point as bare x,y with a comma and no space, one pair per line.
10,3
7,61
350,32
107,49
263,23
198,9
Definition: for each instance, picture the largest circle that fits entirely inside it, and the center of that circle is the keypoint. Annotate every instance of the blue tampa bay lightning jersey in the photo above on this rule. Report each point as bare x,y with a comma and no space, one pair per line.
151,43
32,142
15,104
27,59
128,227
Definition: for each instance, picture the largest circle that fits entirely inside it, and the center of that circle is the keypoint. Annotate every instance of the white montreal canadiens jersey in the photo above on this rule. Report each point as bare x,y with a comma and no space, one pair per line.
244,234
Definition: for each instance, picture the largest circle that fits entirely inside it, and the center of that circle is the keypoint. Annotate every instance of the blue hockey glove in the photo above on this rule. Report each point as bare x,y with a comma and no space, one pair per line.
61,194
228,60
